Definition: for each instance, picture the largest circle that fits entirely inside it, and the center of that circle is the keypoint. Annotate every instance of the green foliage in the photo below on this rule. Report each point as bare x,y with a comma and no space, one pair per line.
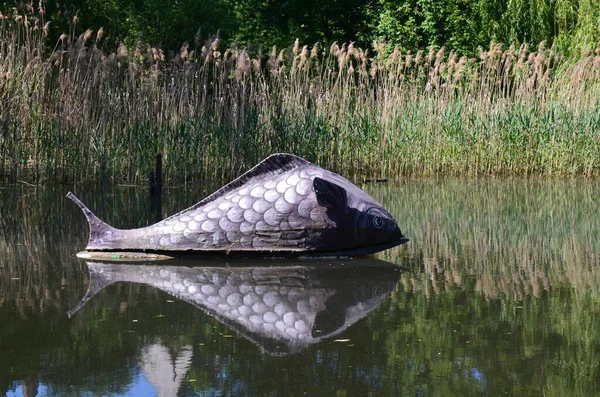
464,25
461,25
166,24
396,23
273,22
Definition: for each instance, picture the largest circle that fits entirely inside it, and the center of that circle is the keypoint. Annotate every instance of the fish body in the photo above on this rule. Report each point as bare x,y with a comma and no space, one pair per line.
284,204
283,309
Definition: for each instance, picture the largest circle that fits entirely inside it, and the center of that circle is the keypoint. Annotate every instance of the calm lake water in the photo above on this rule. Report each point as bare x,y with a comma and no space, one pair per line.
497,294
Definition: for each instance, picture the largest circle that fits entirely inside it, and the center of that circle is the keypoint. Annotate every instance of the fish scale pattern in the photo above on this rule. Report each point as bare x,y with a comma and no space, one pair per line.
283,309
260,304
269,214
283,204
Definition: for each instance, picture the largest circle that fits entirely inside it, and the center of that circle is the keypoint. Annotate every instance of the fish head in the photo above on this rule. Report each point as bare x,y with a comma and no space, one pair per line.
361,220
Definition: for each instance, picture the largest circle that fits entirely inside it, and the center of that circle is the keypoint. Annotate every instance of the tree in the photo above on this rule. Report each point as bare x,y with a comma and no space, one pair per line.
164,23
277,22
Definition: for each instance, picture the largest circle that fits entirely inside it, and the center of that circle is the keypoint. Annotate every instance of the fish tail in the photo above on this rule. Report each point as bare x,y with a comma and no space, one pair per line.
98,229
98,281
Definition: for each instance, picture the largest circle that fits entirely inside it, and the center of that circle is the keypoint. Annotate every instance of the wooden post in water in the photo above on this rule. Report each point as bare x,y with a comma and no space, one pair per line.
158,174
155,185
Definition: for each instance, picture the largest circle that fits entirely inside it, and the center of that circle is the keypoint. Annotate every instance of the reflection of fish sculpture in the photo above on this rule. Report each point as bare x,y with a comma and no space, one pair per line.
283,309
284,204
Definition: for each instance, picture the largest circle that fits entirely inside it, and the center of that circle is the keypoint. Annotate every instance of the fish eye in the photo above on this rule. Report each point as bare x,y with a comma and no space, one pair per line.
377,222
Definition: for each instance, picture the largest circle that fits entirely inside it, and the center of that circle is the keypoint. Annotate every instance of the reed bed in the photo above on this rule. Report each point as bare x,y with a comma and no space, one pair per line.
82,112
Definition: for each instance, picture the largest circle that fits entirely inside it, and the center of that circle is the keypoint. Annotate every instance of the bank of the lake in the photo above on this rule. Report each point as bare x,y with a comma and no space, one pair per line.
81,113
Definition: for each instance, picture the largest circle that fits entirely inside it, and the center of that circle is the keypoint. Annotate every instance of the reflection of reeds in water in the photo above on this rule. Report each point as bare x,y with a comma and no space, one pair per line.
507,237
82,112
512,238
504,278
36,250
40,233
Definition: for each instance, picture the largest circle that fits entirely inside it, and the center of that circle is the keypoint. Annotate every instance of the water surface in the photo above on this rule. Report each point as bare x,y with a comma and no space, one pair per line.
499,296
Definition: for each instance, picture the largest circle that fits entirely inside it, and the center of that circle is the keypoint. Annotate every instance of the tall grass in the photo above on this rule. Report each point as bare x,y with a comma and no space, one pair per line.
81,112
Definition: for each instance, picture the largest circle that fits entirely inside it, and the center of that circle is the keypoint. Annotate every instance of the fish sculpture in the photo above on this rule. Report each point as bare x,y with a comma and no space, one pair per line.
281,308
284,204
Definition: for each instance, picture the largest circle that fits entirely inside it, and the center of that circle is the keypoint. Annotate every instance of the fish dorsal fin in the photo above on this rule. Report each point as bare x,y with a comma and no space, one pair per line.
330,195
275,164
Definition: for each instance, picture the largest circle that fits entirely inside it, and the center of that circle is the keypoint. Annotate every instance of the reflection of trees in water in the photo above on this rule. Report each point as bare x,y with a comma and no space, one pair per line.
539,343
98,351
163,370
36,240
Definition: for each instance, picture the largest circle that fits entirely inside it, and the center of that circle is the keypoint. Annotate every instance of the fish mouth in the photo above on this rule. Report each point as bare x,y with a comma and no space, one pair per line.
360,251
